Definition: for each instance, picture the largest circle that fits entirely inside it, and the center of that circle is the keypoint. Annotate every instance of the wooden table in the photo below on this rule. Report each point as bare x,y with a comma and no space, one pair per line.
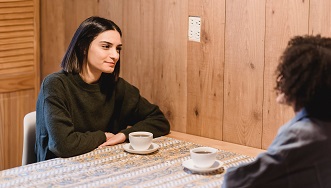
236,148
113,167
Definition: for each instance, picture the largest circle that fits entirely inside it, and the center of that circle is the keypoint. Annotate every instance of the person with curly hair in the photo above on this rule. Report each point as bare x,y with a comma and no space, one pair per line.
300,155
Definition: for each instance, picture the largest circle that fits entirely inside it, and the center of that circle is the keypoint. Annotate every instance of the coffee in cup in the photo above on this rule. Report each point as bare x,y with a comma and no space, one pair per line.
140,140
203,157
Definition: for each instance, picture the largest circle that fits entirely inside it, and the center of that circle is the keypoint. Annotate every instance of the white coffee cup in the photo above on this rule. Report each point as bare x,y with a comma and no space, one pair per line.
140,140
203,157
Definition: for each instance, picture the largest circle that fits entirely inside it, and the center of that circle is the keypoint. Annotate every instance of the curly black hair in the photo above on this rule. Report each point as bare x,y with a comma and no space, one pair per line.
304,75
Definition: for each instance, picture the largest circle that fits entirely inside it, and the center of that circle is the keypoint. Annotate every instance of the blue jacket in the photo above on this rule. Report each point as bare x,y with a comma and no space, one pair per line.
300,156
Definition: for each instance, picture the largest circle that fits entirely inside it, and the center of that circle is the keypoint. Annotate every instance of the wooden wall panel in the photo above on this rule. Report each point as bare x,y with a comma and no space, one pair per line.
168,48
320,17
13,107
61,17
284,19
75,12
220,88
151,53
52,35
113,10
19,74
205,70
170,60
243,72
138,31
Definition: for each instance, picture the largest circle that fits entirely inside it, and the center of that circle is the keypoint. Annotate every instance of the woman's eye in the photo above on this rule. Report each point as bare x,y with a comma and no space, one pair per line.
118,50
105,46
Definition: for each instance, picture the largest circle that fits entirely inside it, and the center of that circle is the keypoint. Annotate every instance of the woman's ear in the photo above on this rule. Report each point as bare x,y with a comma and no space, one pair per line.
281,98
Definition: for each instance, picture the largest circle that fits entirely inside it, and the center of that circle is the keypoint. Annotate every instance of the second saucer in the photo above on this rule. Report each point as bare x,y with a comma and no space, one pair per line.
190,165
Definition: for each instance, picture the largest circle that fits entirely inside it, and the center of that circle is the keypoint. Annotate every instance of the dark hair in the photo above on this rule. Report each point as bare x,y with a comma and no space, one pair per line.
304,75
88,30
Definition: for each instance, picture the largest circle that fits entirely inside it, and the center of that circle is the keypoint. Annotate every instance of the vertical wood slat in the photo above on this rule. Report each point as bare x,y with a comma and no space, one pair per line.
113,10
170,60
52,21
13,107
243,72
284,19
138,34
62,17
37,53
205,70
75,12
320,17
154,38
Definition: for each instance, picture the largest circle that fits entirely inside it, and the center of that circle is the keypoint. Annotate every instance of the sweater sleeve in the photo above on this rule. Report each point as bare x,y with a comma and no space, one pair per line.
54,115
140,114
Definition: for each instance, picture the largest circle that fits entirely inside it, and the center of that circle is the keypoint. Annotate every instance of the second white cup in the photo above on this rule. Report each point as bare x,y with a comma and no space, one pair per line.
140,140
203,157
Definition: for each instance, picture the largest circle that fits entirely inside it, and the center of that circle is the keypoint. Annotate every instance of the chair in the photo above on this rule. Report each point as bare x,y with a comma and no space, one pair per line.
29,138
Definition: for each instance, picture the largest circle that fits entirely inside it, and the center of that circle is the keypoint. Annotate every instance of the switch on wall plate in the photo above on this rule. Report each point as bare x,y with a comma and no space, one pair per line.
194,28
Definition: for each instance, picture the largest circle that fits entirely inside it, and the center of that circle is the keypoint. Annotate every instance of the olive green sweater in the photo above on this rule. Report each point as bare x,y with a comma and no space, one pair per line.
73,116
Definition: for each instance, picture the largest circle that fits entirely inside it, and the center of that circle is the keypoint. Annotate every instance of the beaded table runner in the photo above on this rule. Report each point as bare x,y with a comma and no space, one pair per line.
113,167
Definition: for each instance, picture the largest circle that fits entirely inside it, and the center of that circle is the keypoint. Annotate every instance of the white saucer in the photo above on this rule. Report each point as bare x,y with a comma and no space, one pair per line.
189,165
127,147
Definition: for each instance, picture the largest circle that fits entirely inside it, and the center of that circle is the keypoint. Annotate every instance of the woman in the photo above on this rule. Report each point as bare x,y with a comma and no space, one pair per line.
300,155
87,105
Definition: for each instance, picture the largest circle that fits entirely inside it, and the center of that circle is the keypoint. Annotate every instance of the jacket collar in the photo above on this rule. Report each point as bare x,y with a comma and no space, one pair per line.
299,116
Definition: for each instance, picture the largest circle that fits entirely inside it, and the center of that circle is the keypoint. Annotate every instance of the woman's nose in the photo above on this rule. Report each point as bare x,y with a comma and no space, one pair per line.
113,54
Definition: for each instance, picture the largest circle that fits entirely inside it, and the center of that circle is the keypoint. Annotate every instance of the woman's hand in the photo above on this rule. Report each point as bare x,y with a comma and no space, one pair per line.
113,139
108,135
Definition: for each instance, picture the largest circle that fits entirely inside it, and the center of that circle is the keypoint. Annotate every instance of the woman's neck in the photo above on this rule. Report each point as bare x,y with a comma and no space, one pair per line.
89,78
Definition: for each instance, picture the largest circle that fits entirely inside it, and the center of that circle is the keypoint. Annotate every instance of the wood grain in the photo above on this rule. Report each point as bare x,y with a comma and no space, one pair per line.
13,107
113,10
243,72
320,18
284,20
227,146
12,82
154,56
52,34
138,31
220,88
75,12
170,60
205,71
62,17
16,61
19,74
37,48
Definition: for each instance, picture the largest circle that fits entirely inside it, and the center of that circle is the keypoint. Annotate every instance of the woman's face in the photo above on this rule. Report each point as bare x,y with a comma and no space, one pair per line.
103,53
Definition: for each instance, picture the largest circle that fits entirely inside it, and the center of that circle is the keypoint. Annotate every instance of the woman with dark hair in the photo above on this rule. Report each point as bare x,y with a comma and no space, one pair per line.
300,155
87,105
